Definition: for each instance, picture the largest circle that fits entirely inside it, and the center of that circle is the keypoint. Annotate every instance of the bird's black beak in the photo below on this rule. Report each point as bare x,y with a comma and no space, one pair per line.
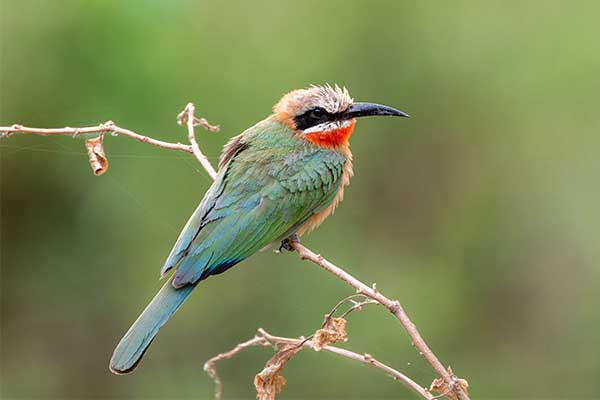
357,110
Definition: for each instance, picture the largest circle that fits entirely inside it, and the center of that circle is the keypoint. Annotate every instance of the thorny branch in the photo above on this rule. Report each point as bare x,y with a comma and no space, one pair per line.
454,388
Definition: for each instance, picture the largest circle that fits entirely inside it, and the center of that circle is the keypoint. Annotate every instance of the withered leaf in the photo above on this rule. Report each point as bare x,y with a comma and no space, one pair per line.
268,382
98,160
333,331
439,386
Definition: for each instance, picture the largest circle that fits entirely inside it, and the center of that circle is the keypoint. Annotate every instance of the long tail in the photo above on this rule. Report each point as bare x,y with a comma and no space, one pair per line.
134,344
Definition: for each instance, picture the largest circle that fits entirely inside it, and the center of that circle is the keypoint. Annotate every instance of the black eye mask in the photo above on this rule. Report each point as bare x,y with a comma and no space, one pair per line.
313,117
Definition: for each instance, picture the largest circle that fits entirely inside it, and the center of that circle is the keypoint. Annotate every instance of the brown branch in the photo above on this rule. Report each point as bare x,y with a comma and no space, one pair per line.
107,127
268,382
187,116
210,367
356,305
393,306
266,339
365,358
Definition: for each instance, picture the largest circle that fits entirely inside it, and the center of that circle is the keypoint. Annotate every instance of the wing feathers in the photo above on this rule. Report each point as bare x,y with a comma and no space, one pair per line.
258,197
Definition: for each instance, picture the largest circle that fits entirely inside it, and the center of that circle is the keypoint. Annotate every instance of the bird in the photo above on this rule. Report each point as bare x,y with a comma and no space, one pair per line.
276,181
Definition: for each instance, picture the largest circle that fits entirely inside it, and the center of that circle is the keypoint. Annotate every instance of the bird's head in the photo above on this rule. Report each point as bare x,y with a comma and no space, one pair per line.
325,115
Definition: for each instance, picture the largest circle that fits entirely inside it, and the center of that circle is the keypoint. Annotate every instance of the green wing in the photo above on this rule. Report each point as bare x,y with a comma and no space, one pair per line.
271,184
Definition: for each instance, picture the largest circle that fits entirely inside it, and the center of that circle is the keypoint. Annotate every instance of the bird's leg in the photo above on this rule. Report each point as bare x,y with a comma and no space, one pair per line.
286,244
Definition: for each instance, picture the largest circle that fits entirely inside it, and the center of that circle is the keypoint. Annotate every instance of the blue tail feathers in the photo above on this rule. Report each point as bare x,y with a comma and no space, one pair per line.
132,347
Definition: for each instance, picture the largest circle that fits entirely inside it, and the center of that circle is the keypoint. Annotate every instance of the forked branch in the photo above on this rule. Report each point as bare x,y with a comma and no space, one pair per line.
269,382
188,117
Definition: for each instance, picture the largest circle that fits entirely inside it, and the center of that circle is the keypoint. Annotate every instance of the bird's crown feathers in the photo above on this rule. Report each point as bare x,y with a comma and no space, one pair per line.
333,99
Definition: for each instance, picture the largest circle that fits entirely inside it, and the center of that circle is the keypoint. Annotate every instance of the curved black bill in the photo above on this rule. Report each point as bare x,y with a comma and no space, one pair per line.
357,110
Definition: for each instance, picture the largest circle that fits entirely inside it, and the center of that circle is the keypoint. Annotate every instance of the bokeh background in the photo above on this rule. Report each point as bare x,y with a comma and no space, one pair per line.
481,213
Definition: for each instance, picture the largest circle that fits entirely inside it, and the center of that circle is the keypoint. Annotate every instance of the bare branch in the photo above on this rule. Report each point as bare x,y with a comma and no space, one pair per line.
210,367
354,307
100,164
107,127
357,306
393,306
187,116
266,339
269,382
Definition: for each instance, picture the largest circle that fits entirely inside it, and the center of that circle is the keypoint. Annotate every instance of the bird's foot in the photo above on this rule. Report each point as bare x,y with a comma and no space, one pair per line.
286,244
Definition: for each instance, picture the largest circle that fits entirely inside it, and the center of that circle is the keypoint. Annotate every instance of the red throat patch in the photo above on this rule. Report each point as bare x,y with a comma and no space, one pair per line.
335,138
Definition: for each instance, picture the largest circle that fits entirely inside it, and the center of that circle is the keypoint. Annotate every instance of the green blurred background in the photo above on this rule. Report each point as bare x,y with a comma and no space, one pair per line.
480,213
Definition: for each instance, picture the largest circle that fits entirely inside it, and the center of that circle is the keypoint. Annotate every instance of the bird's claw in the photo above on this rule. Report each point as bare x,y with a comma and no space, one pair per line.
286,244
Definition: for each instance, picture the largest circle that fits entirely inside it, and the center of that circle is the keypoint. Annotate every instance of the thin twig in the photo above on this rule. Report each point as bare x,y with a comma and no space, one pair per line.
342,301
357,306
210,367
107,127
190,119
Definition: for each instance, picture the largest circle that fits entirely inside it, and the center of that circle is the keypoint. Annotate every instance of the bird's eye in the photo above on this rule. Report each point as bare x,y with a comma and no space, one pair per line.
317,113
312,117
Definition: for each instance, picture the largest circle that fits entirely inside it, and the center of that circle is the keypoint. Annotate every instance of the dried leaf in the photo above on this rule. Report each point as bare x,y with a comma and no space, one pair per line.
268,382
98,160
439,386
333,331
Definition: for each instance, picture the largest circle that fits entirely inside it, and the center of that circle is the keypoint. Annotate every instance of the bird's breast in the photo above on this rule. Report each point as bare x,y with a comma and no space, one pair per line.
318,218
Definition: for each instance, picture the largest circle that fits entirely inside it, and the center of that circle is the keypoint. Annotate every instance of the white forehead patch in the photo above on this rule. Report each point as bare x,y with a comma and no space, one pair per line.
333,99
